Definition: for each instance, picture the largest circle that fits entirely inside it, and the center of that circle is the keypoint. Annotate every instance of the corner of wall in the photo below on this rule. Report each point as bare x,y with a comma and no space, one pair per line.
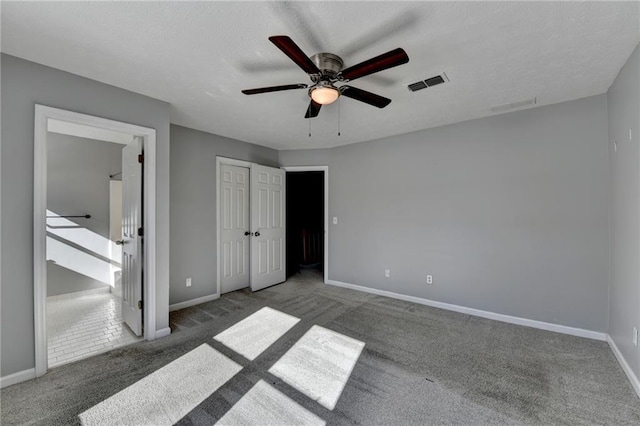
635,382
623,126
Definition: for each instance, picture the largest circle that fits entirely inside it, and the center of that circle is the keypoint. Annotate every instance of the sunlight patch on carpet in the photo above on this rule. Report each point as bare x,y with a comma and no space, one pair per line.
265,405
168,394
319,364
254,334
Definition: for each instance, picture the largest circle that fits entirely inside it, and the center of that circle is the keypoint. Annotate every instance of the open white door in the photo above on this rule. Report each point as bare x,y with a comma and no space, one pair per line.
234,227
131,242
267,226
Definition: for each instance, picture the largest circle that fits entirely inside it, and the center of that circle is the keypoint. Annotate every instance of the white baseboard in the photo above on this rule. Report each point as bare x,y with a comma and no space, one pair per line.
589,334
193,302
163,332
18,377
635,383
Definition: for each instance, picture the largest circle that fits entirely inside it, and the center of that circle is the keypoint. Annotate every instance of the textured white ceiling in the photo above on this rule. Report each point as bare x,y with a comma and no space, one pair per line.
199,55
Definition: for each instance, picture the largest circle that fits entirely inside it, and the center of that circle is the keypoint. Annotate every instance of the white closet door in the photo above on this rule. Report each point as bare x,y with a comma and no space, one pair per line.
267,226
234,228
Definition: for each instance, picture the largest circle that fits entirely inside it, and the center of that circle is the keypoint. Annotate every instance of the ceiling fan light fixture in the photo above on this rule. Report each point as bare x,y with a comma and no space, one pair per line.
325,95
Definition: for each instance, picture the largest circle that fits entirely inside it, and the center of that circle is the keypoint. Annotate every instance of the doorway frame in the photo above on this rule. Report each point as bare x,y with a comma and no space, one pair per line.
42,115
325,170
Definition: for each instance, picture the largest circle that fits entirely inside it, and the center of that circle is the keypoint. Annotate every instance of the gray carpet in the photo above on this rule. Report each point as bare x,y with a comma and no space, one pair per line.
419,365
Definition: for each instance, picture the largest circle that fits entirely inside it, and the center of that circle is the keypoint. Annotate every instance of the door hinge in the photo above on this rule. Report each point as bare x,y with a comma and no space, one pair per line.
140,158
139,304
140,232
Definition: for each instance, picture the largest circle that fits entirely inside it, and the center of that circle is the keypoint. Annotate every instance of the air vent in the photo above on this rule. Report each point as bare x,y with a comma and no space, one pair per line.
414,87
433,81
429,82
514,105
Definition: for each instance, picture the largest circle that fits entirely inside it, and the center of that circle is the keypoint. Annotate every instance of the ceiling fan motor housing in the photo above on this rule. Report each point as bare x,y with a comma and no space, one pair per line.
329,64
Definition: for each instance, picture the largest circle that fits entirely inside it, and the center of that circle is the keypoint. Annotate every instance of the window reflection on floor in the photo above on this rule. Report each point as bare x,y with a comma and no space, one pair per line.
318,365
168,394
265,405
254,334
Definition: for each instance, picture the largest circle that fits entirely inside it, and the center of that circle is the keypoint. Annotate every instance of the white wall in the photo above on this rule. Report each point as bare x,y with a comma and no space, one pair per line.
508,213
623,101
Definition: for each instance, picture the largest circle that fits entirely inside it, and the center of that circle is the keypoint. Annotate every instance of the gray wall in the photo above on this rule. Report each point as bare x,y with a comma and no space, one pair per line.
193,205
508,213
25,84
308,157
78,172
623,101
61,280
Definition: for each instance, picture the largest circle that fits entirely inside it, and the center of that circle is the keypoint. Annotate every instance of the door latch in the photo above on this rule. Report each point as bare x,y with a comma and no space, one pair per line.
139,304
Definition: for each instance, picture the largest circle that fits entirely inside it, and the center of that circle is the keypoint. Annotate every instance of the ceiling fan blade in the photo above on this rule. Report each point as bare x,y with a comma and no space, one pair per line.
313,110
391,59
274,89
296,54
364,96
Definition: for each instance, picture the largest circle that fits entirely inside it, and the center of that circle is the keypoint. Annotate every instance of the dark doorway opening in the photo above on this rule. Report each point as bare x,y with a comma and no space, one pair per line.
305,221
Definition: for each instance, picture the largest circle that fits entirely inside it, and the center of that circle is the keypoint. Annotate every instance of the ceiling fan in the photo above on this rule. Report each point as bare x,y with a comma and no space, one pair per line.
325,70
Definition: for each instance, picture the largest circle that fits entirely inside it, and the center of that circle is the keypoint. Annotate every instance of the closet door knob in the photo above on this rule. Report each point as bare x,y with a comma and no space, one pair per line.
257,234
247,233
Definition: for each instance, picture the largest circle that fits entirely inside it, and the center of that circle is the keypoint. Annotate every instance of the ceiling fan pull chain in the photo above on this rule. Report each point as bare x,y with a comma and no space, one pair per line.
338,116
309,121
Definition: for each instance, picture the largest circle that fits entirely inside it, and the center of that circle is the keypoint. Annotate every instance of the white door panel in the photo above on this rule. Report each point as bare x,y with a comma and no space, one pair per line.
234,223
267,226
131,242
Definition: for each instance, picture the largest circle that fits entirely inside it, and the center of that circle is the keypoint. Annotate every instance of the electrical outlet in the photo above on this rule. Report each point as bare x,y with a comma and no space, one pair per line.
429,279
635,336
387,273
335,220
188,282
